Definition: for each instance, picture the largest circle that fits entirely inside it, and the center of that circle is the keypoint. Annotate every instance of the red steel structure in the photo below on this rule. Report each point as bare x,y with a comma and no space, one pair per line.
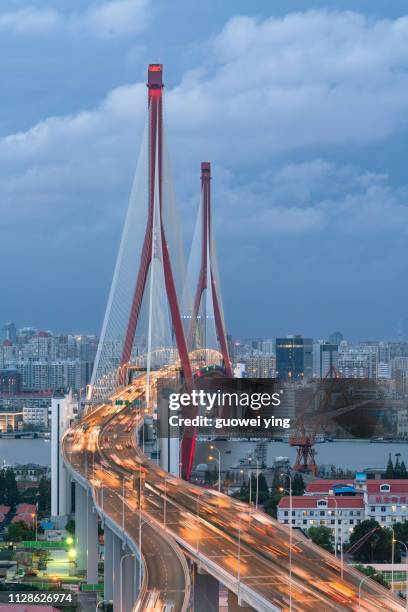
155,108
155,177
207,278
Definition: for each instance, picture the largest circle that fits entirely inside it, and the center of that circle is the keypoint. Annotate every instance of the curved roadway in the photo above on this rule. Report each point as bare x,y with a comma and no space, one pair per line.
247,550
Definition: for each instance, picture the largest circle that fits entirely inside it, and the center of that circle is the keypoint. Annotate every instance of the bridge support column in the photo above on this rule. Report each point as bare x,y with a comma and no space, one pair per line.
108,564
206,592
234,605
130,580
116,557
92,542
80,526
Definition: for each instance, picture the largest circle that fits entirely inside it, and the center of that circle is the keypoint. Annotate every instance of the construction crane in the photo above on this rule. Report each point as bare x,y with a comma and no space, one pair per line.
304,437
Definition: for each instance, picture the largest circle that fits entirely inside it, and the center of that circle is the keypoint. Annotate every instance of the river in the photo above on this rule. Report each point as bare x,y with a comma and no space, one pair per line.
25,451
353,455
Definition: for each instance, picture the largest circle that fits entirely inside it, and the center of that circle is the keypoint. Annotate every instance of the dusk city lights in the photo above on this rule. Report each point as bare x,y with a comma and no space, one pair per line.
203,315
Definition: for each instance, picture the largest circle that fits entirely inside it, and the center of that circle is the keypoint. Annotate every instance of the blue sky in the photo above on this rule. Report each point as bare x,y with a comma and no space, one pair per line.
301,106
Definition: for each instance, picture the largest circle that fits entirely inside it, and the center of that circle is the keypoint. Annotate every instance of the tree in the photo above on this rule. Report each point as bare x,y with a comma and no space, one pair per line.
298,485
389,471
20,531
404,473
70,527
397,466
370,571
8,487
321,536
263,491
377,547
44,495
243,493
272,504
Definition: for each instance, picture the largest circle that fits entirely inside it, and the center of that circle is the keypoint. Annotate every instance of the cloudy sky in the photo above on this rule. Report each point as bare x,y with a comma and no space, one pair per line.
302,108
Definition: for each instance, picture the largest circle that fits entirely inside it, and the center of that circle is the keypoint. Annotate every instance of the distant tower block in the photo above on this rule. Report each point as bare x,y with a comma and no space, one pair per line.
207,327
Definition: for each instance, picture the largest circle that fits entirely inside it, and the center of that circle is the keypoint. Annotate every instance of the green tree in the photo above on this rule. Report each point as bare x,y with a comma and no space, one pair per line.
272,504
389,471
397,466
298,485
370,571
322,536
19,531
404,473
377,548
44,495
263,491
70,526
243,493
10,490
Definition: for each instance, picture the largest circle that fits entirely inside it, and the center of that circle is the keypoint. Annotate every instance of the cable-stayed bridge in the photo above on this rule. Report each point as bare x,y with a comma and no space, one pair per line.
169,543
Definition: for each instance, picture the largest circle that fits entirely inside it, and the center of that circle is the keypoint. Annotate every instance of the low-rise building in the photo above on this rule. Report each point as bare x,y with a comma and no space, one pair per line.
10,420
348,501
36,416
341,513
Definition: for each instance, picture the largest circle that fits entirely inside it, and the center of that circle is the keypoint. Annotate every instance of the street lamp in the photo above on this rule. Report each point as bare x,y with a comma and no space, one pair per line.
341,538
393,558
359,590
211,458
406,570
239,558
165,500
290,537
127,556
35,520
250,459
212,447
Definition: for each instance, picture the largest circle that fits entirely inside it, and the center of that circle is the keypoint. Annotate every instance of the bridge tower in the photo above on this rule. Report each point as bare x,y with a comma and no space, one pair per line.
206,321
142,330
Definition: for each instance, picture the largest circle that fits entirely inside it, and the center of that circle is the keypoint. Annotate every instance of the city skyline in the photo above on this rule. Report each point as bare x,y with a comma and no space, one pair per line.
327,180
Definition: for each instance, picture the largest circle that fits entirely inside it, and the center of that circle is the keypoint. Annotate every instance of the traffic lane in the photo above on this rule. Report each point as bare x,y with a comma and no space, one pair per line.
163,572
164,569
269,581
337,591
325,585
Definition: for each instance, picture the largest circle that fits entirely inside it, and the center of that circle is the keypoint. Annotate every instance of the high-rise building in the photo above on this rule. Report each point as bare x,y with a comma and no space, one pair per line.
9,332
10,381
260,366
294,358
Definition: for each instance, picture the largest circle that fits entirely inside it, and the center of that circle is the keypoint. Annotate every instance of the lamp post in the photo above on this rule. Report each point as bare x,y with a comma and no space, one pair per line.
341,538
406,571
257,481
290,537
165,501
239,559
127,556
211,458
359,591
393,556
212,447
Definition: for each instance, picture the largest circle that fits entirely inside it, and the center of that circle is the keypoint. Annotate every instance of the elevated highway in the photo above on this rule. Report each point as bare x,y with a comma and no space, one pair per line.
242,548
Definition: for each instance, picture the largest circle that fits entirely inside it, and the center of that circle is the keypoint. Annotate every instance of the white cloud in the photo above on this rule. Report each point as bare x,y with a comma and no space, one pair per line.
29,20
306,80
112,19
